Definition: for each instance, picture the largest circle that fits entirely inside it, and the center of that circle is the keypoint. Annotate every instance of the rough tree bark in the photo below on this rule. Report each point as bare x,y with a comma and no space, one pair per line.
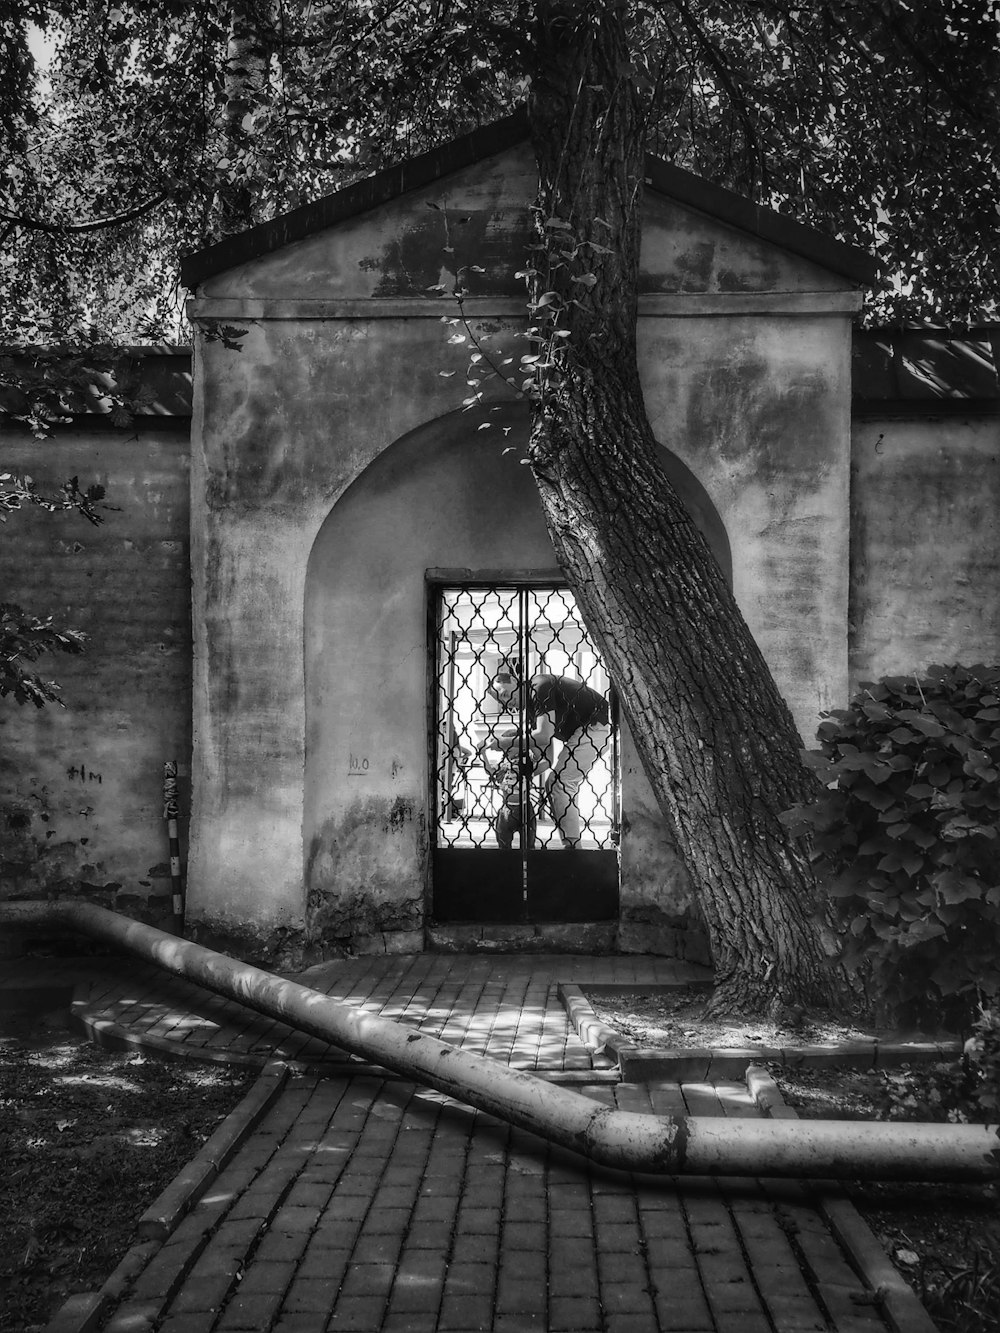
716,739
244,91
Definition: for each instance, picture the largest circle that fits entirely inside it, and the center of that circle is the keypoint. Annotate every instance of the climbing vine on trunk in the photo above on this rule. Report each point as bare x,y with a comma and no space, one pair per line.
717,741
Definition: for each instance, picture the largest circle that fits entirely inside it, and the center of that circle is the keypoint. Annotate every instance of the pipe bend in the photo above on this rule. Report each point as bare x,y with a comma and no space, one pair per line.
637,1141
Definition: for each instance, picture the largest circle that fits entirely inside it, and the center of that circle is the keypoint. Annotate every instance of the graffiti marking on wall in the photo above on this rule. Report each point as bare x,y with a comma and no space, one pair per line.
357,765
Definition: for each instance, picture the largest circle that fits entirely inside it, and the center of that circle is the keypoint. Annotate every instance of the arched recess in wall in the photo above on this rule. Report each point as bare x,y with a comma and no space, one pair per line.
446,496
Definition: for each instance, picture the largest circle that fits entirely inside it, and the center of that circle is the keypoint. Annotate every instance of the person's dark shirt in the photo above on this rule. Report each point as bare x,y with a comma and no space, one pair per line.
571,704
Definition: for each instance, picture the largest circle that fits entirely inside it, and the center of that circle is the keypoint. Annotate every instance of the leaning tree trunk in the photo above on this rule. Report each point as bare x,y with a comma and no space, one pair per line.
716,739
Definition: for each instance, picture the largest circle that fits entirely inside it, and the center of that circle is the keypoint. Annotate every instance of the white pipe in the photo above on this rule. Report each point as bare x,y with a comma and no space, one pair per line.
671,1145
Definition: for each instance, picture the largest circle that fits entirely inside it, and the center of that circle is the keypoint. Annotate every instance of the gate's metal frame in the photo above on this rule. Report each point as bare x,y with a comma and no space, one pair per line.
566,882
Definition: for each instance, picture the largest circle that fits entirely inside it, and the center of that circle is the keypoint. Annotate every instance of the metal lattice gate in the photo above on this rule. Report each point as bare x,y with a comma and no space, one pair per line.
526,790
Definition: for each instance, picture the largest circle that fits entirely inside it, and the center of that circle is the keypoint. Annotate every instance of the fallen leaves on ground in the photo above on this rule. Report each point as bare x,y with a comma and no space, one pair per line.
88,1139
674,1016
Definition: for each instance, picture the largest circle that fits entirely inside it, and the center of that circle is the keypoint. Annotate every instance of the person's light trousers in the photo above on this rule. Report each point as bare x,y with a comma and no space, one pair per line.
578,756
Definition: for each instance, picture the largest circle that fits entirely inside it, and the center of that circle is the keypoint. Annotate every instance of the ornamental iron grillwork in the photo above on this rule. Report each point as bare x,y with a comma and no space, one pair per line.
525,746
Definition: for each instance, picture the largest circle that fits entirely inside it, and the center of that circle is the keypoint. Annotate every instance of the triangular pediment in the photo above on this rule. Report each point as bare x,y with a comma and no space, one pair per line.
467,205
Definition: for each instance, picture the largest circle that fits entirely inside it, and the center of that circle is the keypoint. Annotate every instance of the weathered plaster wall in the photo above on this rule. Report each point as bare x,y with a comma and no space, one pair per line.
398,251
80,807
745,358
745,355
289,422
684,250
925,557
344,354
925,515
81,788
282,427
447,497
758,407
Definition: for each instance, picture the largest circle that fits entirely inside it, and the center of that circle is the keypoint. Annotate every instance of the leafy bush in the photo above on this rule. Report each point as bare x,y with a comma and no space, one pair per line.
940,1094
956,1091
906,834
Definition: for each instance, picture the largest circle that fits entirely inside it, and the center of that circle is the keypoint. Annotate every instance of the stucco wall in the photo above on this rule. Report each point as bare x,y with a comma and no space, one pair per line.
398,250
81,805
447,497
745,353
925,567
295,415
758,407
286,425
281,429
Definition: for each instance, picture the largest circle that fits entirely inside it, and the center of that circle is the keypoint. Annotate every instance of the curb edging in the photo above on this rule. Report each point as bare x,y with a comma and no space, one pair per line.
110,1035
84,1311
897,1300
105,1033
166,1211
697,1064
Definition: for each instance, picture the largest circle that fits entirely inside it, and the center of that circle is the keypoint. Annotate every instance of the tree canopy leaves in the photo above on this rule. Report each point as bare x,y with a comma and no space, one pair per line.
137,130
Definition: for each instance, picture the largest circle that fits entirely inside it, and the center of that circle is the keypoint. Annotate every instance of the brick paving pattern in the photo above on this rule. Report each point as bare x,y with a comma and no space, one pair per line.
504,1007
370,1204
363,1202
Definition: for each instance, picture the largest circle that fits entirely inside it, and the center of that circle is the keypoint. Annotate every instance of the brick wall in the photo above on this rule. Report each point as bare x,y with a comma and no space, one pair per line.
81,786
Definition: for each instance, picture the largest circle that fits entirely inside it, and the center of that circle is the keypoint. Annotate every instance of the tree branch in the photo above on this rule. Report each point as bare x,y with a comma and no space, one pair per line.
58,228
735,94
898,32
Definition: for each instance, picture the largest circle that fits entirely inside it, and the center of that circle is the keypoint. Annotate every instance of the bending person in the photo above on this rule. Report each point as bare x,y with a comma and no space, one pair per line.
563,709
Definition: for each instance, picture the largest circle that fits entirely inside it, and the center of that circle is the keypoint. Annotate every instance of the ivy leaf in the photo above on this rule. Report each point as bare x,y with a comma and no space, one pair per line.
954,887
930,726
963,827
846,886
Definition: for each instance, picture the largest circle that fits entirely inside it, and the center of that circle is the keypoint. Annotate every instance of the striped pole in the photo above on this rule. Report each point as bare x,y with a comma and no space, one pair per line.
171,813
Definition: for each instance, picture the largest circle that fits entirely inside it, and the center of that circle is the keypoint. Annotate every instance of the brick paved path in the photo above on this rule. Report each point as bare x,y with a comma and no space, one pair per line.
368,1204
363,1202
506,1007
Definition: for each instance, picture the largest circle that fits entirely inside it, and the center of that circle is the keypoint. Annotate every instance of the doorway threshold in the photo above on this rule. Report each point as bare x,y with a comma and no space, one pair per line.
593,937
